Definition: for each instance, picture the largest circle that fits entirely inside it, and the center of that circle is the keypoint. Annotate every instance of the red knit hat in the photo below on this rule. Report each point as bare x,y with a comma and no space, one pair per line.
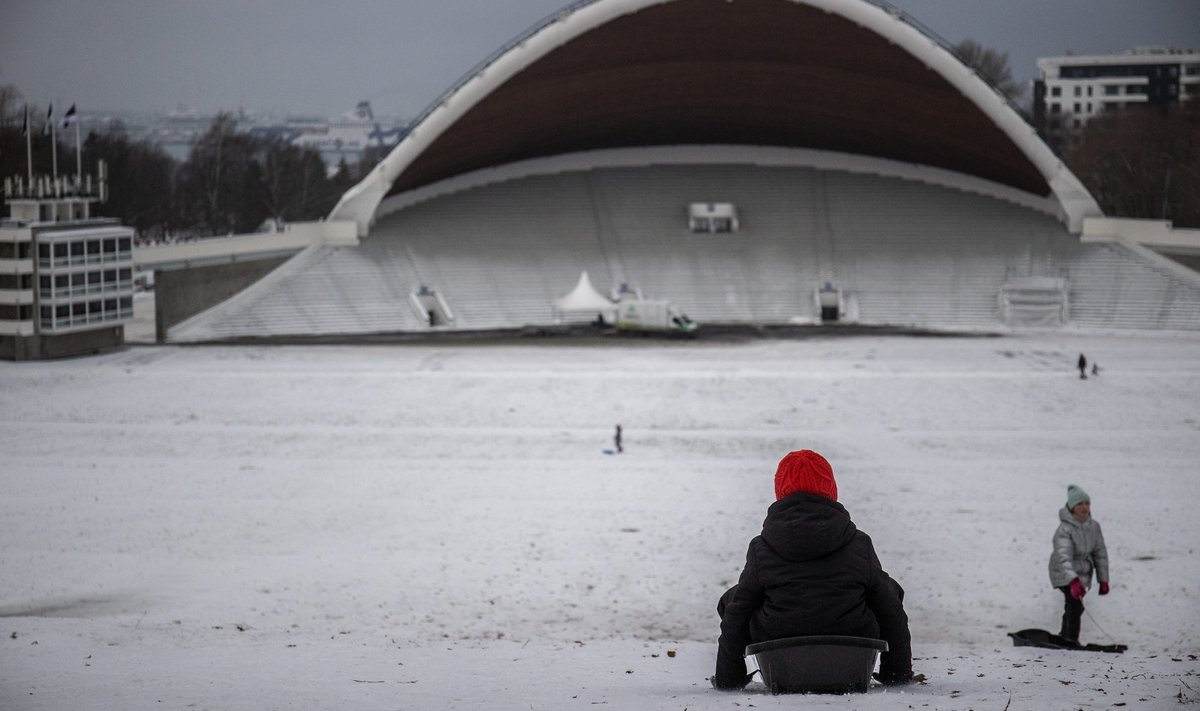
805,471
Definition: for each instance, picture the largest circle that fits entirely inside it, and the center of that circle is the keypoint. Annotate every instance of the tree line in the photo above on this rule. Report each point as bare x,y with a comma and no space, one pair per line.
1141,162
231,182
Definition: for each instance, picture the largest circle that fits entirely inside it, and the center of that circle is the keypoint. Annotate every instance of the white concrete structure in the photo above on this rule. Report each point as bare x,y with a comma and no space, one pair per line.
582,146
362,202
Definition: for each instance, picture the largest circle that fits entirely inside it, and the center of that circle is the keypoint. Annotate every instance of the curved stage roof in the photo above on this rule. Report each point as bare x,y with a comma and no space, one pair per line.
847,76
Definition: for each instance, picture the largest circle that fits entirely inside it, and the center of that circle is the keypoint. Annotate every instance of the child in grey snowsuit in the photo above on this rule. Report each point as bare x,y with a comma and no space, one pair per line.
1078,551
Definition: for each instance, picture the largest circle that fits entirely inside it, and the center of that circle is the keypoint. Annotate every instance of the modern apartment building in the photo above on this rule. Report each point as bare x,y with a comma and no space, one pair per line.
1073,89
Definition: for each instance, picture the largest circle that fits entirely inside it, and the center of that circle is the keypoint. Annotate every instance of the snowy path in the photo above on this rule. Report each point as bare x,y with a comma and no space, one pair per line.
375,518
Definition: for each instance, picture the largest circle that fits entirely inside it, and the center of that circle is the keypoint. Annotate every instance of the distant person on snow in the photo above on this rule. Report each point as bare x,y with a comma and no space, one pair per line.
810,572
617,440
1082,367
1078,551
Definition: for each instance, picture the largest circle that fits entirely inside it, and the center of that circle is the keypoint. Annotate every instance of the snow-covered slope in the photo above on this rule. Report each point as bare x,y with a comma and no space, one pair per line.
430,527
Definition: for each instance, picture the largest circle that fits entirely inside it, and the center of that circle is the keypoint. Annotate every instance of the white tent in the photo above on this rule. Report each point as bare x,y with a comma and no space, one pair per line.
585,299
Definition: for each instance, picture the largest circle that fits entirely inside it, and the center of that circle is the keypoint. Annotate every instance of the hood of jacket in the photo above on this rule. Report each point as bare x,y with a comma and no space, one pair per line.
1065,515
807,526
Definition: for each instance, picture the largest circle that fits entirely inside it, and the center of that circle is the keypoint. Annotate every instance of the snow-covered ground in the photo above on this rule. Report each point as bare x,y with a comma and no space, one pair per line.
427,527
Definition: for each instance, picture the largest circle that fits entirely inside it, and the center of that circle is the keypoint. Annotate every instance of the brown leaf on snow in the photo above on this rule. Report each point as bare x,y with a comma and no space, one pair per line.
1064,683
671,653
920,679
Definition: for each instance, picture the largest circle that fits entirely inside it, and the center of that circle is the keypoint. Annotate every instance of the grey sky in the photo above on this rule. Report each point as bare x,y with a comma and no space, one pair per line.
323,56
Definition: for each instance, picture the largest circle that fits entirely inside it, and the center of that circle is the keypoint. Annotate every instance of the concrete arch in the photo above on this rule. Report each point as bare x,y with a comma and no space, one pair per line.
848,76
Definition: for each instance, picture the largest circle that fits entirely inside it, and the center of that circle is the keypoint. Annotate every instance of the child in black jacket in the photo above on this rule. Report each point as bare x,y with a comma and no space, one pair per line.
811,572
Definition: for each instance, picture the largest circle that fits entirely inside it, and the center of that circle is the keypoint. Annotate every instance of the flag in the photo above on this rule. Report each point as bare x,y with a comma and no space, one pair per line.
25,123
68,118
49,120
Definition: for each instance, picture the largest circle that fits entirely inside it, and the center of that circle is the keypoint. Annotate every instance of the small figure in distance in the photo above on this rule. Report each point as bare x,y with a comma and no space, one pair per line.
617,440
1079,551
811,572
1082,367
1095,368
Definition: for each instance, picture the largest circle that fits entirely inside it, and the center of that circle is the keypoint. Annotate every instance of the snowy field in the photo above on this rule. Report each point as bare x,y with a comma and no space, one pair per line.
437,527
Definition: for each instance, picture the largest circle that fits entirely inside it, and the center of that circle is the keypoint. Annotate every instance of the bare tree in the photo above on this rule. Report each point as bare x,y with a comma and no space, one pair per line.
1142,162
293,183
217,182
992,66
10,107
141,180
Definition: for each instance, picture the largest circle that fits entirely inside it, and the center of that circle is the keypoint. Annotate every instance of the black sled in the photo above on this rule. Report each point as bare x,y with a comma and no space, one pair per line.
829,664
1047,640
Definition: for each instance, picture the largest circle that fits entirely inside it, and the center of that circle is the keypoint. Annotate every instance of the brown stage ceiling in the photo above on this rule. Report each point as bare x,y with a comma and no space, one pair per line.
754,72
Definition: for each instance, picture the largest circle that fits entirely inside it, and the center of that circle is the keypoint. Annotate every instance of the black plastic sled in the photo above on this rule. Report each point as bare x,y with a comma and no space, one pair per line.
828,664
1048,640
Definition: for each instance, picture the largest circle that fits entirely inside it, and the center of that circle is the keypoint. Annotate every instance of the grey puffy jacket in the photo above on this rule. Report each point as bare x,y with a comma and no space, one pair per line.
1078,550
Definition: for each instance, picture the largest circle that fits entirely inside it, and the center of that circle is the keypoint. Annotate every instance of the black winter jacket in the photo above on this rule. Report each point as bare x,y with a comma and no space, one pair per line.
812,572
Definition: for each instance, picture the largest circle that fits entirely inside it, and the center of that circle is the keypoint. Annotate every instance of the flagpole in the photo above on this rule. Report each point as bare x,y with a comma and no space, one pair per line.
28,147
78,158
54,149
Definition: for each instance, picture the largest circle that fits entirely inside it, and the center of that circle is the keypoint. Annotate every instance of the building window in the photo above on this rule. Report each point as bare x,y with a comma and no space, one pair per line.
1078,92
712,217
1055,108
1056,91
1078,107
1112,90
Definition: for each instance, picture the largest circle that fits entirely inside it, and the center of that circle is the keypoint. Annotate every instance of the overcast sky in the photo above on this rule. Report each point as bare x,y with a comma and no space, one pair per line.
323,56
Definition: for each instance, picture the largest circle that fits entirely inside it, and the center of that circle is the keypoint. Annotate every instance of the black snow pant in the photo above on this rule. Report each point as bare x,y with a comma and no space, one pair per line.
1072,614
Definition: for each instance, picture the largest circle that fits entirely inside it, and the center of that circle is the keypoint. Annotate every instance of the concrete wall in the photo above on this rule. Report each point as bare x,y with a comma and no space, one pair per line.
61,346
1155,234
244,247
180,294
1191,261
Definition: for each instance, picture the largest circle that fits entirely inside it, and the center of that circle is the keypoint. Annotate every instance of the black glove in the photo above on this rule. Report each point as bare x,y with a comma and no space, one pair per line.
891,677
713,680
